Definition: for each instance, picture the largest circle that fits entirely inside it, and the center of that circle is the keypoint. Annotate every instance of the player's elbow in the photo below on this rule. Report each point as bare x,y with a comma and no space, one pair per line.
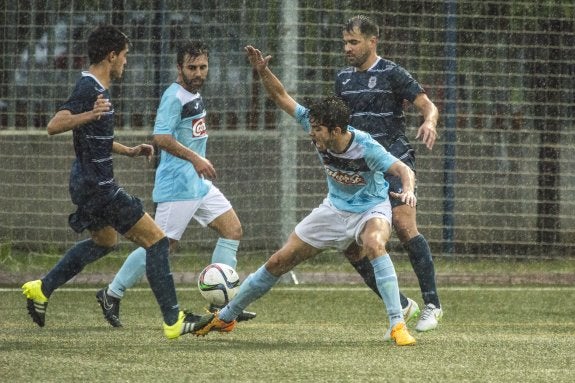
51,129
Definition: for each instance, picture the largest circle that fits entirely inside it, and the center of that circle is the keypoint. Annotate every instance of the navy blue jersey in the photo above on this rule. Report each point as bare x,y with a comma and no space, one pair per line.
92,176
375,98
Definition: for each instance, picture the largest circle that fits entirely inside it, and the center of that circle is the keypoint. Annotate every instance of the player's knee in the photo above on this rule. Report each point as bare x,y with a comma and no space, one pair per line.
236,233
405,230
373,249
278,266
106,240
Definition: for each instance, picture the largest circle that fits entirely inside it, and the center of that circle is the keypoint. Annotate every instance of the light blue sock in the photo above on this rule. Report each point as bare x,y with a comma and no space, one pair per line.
132,270
253,287
388,287
225,252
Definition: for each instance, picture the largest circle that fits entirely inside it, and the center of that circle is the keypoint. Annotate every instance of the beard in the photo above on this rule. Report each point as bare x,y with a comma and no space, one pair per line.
116,75
358,60
193,84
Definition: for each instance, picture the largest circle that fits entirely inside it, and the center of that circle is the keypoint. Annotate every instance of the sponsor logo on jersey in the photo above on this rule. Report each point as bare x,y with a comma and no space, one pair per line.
345,178
199,127
372,82
345,82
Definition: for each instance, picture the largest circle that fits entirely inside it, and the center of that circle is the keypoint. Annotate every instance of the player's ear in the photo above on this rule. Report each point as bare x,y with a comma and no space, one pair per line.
111,56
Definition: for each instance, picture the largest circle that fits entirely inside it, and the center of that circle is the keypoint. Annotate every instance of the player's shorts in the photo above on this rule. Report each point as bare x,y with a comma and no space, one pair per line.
405,153
327,227
121,213
173,217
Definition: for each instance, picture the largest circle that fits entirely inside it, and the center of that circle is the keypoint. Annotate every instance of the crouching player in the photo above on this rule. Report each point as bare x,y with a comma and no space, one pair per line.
357,206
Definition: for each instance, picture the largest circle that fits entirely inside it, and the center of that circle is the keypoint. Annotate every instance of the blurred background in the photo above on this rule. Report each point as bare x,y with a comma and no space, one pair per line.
499,183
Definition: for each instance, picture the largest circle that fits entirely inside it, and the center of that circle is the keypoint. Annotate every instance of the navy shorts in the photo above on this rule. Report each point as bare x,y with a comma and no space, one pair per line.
405,153
121,213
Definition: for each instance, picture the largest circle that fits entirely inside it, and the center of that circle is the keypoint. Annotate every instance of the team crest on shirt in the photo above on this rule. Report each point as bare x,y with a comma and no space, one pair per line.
372,82
199,127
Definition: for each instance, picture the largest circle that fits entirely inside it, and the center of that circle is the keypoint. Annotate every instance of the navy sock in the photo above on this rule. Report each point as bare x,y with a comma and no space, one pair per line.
365,269
422,263
76,258
161,280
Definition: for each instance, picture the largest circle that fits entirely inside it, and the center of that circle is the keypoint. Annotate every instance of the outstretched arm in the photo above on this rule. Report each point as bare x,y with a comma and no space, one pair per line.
273,85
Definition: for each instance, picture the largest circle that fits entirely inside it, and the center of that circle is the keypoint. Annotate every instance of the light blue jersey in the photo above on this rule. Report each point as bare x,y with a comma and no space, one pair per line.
355,178
181,114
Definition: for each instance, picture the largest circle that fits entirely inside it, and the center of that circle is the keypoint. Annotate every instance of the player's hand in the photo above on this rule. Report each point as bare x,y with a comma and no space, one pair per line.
407,198
258,61
204,168
142,150
427,133
101,106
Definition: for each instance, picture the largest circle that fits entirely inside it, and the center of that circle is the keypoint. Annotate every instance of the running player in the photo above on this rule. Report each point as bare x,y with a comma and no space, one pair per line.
182,188
103,207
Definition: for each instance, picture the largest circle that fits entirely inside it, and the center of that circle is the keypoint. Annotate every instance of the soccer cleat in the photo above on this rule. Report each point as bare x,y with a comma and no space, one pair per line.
187,323
430,317
204,326
401,336
411,312
110,307
36,301
244,315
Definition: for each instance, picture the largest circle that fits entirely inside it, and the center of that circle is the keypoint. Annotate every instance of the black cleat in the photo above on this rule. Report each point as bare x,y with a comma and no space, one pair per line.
110,307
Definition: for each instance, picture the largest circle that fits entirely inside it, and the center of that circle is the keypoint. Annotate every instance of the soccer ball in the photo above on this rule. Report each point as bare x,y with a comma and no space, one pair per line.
218,283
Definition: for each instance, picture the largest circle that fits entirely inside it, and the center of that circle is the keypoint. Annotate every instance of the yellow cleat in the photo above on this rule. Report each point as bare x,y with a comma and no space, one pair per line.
401,336
36,301
186,323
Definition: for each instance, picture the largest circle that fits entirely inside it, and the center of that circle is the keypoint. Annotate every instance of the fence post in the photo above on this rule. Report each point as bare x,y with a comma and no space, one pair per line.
288,134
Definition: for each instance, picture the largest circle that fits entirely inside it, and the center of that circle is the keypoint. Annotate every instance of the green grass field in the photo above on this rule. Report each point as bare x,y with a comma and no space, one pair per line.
303,333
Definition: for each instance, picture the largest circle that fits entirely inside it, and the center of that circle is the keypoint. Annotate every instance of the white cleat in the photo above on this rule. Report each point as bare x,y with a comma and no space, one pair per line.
430,317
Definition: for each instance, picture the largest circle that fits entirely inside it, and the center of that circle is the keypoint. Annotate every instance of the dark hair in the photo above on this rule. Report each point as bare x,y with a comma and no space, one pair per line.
331,112
103,40
365,25
194,48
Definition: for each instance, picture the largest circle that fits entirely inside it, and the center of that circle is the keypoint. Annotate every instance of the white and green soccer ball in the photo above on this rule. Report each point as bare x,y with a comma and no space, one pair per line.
218,283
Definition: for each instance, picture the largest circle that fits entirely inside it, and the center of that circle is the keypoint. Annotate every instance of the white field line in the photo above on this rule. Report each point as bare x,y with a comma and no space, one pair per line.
301,288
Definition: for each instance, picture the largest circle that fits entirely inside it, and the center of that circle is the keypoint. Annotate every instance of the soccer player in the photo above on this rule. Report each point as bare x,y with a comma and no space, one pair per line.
103,207
182,189
356,209
375,89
